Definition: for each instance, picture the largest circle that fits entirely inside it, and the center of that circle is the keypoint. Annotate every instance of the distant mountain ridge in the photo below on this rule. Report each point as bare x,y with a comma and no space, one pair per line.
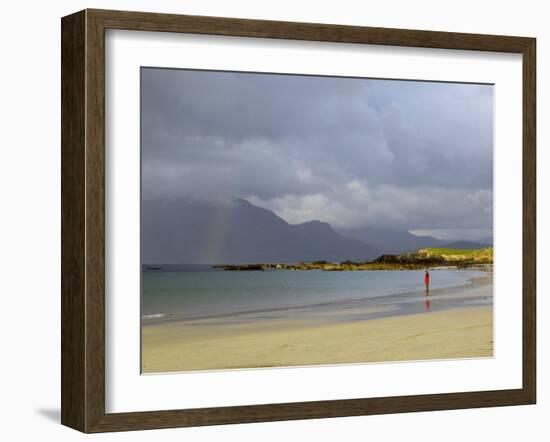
190,232
402,241
467,244
187,232
391,240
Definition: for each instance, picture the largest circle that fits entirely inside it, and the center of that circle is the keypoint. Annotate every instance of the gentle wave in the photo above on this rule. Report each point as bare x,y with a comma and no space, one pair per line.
154,316
191,296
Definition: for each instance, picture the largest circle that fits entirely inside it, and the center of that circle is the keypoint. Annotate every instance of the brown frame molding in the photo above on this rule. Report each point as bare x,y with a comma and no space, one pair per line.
83,217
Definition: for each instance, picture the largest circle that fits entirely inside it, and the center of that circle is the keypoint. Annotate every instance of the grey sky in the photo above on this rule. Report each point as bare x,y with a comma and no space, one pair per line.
351,152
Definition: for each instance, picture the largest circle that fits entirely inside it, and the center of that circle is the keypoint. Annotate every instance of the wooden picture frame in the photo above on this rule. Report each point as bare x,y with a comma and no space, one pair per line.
83,220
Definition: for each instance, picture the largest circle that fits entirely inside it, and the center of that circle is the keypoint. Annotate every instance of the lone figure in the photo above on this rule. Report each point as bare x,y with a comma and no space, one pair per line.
427,281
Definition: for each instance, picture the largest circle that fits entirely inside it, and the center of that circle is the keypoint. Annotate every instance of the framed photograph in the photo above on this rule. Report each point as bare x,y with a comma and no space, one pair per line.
270,220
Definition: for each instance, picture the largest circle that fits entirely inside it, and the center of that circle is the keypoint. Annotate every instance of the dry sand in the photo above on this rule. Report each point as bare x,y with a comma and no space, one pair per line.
459,333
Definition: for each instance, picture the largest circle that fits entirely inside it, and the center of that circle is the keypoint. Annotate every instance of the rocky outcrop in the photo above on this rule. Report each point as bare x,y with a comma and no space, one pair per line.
424,258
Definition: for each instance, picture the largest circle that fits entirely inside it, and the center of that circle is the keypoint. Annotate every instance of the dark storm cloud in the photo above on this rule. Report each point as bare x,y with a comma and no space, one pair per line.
414,155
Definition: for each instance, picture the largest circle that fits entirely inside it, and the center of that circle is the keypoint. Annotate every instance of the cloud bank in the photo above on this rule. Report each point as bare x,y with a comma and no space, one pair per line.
351,152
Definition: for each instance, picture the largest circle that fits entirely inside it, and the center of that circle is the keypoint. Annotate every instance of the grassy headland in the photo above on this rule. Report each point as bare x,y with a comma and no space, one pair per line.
421,259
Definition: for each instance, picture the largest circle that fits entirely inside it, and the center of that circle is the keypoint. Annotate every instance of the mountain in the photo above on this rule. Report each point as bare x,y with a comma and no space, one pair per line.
391,241
401,241
467,245
488,241
188,232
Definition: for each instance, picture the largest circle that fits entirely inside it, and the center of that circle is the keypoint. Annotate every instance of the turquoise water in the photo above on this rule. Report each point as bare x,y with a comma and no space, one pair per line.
193,292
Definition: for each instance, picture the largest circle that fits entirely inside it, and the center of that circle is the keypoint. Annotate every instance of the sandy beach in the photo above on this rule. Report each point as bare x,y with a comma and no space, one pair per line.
454,333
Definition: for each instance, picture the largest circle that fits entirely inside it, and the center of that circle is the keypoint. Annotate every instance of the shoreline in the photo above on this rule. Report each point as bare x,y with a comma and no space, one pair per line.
375,333
349,267
470,287
425,258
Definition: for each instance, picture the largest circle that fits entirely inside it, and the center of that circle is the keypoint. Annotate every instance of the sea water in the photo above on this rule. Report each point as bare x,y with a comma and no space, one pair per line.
193,292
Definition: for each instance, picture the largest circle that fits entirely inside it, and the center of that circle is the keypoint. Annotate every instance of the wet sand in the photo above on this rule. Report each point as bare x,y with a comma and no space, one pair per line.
214,345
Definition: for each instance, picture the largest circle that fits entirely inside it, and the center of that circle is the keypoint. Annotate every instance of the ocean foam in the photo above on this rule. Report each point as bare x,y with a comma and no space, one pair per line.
154,316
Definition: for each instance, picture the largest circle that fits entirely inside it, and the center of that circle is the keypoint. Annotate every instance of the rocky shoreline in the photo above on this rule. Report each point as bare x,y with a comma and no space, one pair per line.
481,259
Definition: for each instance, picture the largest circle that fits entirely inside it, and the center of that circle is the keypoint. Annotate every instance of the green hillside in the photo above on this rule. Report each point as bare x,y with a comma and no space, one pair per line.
484,255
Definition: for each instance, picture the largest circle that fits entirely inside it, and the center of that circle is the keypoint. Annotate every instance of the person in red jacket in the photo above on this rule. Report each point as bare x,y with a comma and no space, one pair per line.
427,281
